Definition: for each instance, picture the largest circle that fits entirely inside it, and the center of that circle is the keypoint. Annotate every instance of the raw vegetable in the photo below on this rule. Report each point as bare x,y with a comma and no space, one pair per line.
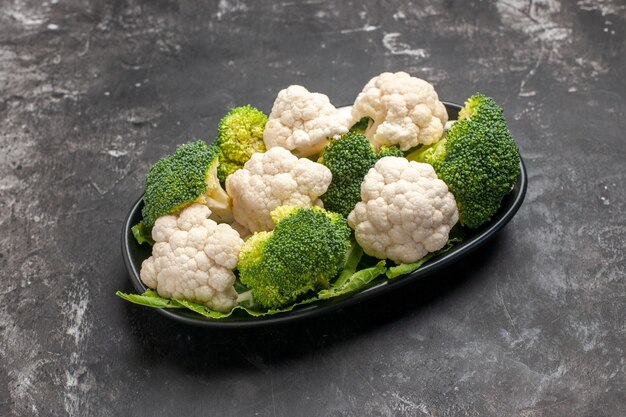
352,283
272,179
304,253
478,159
402,207
302,122
349,158
358,281
405,111
186,177
193,259
239,135
405,211
142,234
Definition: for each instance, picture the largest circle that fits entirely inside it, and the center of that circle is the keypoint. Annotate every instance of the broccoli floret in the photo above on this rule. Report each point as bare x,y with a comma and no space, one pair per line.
304,252
239,135
478,159
349,158
186,177
390,151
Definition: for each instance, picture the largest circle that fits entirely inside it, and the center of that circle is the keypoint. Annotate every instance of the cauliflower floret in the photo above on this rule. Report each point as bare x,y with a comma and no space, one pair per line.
405,211
193,258
405,110
303,122
272,179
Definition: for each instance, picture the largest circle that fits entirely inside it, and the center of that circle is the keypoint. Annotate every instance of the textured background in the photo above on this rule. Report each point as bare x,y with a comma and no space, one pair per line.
93,92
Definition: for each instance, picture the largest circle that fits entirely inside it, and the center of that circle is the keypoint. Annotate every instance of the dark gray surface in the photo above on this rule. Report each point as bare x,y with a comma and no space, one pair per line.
92,92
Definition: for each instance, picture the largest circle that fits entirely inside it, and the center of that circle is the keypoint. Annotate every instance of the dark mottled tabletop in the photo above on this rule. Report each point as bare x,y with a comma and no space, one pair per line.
93,92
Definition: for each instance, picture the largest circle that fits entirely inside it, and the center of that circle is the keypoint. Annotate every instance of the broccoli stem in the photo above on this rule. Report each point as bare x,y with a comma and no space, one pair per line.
430,154
371,130
142,234
354,257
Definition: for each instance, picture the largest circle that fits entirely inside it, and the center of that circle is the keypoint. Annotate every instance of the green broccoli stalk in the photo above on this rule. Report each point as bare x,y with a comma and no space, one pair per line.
478,159
349,158
304,253
239,135
186,177
142,234
362,125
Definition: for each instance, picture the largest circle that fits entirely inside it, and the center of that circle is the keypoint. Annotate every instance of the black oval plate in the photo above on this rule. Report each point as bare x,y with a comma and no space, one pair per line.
134,254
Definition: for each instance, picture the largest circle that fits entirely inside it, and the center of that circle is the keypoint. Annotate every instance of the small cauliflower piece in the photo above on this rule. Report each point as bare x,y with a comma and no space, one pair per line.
272,179
405,110
193,259
303,122
405,211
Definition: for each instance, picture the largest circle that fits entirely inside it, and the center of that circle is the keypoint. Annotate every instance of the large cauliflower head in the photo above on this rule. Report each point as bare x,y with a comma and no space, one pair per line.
193,259
303,122
405,211
272,179
405,110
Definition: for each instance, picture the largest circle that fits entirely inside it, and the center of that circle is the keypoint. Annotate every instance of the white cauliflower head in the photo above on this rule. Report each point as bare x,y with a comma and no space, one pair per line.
405,110
193,259
303,122
272,179
405,211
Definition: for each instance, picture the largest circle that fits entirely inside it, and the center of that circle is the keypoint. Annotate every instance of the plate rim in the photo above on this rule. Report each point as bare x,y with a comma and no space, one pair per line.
327,306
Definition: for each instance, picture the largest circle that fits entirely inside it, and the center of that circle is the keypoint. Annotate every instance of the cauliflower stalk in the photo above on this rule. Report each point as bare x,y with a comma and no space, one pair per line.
193,259
405,111
303,122
272,179
405,211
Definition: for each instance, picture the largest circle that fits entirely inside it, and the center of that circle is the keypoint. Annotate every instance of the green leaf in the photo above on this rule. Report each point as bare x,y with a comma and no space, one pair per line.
403,269
356,253
358,280
149,299
361,125
142,234
257,313
202,310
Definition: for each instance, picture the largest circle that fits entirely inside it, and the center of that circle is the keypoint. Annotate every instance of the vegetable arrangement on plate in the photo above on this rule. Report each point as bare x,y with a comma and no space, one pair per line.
313,203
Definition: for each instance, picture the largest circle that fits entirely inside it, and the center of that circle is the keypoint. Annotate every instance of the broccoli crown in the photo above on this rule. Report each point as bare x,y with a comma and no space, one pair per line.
478,159
304,252
178,180
239,135
349,158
